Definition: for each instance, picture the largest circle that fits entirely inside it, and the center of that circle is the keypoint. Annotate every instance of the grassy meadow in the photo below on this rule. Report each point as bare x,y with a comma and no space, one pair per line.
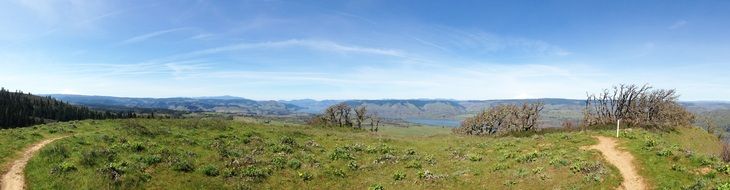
246,154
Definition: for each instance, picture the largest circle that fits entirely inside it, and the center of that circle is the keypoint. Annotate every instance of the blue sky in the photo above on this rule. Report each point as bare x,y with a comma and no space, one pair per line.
364,49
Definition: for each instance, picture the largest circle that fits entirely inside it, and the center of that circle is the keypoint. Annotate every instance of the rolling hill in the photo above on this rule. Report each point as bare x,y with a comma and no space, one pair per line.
225,104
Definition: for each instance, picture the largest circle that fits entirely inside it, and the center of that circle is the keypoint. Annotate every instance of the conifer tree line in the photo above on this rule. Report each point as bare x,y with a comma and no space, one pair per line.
18,109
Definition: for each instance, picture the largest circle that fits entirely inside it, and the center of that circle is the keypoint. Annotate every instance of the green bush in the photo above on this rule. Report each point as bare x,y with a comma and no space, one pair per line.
65,167
376,187
414,164
294,164
724,186
341,154
306,176
664,152
287,140
137,147
211,170
152,159
529,157
474,157
183,166
277,148
353,165
255,172
399,176
278,162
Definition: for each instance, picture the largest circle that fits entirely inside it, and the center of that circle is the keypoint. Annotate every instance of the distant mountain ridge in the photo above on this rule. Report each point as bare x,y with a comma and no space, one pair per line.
227,104
556,110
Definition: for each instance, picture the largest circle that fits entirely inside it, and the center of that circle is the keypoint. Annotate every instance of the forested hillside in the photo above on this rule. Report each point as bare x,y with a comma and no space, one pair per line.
18,109
224,104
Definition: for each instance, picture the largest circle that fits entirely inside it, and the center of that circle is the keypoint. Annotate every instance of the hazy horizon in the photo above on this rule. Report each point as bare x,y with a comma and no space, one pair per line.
323,50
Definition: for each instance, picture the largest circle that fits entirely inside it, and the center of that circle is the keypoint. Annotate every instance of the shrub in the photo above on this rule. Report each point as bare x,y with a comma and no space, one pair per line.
529,157
64,167
278,162
678,168
287,140
500,166
257,173
152,159
294,164
725,154
210,170
353,165
399,176
336,172
376,187
137,147
341,154
723,169
664,152
474,157
410,151
183,166
724,186
228,172
431,159
557,162
277,148
306,176
414,164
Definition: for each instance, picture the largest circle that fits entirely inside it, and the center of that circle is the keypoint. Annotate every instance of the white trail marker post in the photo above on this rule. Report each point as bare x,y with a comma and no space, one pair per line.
617,124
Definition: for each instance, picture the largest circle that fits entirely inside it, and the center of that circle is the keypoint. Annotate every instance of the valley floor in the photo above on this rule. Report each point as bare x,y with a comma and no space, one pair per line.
234,154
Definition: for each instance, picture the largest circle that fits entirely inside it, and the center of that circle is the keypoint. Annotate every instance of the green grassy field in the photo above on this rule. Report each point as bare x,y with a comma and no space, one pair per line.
240,154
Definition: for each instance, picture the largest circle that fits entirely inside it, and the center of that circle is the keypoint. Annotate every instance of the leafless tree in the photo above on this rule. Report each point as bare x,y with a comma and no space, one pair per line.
374,121
503,119
636,106
360,115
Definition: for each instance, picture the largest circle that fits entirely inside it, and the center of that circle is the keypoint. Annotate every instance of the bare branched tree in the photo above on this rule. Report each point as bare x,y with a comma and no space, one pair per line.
636,106
503,119
360,115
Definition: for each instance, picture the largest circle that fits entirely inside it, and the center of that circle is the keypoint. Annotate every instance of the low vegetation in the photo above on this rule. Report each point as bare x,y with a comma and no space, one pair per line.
223,154
503,119
636,106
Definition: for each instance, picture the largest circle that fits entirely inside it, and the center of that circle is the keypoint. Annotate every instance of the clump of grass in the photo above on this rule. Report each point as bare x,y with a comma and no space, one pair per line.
287,140
305,176
278,162
64,167
341,154
294,164
353,165
414,164
256,172
376,187
529,157
664,152
211,170
399,176
474,157
182,165
725,153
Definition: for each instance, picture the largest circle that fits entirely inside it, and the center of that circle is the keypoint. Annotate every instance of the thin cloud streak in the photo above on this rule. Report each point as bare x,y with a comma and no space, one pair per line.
145,37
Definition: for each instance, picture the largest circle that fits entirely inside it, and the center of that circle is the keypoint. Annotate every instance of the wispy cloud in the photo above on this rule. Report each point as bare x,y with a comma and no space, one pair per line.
320,45
477,42
144,37
678,24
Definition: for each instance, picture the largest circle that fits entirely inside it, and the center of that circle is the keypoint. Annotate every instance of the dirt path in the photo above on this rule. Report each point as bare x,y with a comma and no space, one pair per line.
622,160
15,178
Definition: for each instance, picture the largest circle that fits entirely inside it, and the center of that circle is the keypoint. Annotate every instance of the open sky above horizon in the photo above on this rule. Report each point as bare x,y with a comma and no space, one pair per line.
275,50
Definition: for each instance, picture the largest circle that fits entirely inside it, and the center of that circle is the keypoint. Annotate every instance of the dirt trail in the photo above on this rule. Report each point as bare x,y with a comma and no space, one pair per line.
622,160
15,178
